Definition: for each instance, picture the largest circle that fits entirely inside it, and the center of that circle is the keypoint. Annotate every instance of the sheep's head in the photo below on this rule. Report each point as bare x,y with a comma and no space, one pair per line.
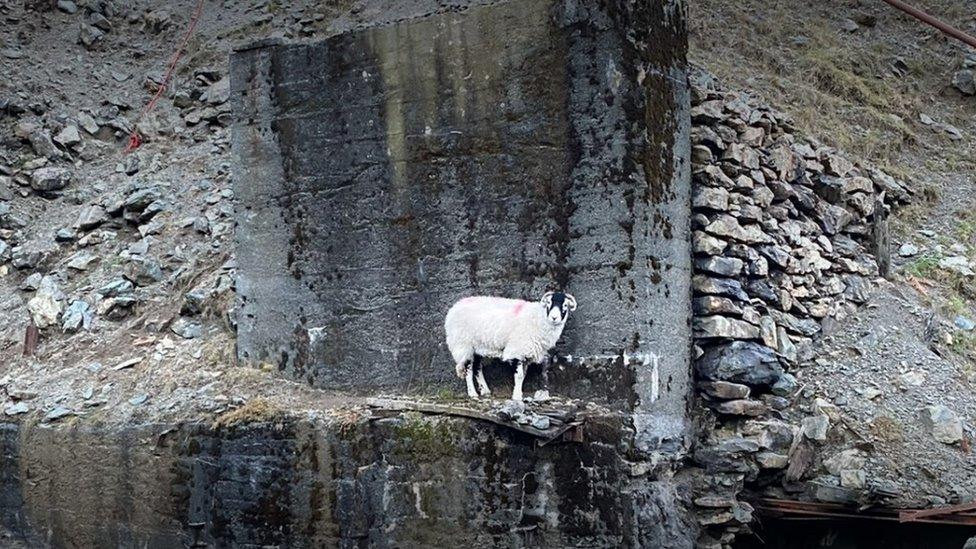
557,306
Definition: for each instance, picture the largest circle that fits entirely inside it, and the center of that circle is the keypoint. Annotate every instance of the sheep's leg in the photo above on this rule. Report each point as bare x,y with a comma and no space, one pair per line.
546,364
482,384
469,380
519,378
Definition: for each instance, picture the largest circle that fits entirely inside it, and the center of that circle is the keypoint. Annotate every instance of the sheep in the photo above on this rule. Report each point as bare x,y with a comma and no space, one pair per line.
516,331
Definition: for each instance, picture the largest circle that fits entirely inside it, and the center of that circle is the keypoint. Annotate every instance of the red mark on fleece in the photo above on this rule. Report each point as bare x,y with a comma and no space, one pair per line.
518,307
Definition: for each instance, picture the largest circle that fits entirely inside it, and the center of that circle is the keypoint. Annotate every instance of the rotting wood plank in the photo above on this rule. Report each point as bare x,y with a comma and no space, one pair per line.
572,427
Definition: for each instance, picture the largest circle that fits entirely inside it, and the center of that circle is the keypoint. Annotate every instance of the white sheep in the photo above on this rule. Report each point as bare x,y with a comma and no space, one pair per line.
516,331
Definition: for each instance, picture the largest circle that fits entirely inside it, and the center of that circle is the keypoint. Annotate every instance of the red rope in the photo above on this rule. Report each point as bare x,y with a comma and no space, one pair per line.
134,139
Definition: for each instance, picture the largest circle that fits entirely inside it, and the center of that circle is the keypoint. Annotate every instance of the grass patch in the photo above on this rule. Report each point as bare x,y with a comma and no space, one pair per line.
964,345
445,394
834,68
955,306
966,229
256,410
923,267
964,287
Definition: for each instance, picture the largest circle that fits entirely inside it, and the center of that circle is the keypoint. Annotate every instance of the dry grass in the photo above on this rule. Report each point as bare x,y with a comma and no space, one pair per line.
887,429
839,87
220,350
256,410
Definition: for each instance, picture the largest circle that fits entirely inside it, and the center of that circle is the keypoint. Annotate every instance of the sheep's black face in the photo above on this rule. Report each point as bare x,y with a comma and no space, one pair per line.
557,306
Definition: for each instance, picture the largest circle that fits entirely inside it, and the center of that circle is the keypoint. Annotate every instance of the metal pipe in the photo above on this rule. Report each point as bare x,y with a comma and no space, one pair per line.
928,19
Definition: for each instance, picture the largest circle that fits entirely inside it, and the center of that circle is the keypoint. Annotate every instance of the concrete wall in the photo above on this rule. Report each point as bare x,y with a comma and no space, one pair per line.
507,148
407,481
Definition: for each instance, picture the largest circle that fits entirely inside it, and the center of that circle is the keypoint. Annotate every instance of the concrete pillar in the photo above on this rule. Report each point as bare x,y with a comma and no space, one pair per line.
506,148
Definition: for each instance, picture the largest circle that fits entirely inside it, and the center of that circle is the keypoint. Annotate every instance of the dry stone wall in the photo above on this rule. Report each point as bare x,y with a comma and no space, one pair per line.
785,233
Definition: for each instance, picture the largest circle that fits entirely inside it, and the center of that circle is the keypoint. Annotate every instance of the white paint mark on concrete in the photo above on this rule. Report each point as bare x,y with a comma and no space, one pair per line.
416,493
653,361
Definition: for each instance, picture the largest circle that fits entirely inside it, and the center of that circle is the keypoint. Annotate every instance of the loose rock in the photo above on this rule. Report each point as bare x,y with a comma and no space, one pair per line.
46,305
943,423
50,179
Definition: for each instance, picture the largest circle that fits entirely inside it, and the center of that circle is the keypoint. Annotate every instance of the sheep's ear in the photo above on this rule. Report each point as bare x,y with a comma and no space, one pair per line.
547,299
571,301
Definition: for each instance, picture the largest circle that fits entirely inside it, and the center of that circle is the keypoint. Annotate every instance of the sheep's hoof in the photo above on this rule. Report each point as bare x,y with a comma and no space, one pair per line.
473,396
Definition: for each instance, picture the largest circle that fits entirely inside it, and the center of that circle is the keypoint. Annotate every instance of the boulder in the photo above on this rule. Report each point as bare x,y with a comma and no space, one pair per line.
741,407
728,226
772,460
785,386
68,137
724,327
46,305
706,244
50,179
743,155
710,305
143,272
187,329
832,219
719,286
943,423
847,459
784,162
853,478
965,81
723,266
78,315
816,427
802,326
776,254
712,198
724,389
116,288
837,165
743,362
90,217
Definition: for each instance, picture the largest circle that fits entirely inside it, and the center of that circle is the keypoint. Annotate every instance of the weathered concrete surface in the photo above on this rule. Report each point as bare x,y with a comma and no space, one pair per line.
507,148
406,481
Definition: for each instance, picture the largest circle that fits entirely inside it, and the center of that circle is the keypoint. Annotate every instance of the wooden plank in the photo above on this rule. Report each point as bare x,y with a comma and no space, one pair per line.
557,427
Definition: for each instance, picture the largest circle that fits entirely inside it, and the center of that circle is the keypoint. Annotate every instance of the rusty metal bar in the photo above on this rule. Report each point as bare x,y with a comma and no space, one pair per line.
929,20
808,510
913,515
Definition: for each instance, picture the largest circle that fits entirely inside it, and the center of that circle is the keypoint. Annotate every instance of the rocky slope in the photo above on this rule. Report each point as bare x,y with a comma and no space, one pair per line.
817,372
849,388
876,408
123,262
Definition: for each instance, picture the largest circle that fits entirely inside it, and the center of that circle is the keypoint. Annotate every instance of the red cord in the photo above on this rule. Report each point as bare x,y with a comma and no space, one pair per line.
134,140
